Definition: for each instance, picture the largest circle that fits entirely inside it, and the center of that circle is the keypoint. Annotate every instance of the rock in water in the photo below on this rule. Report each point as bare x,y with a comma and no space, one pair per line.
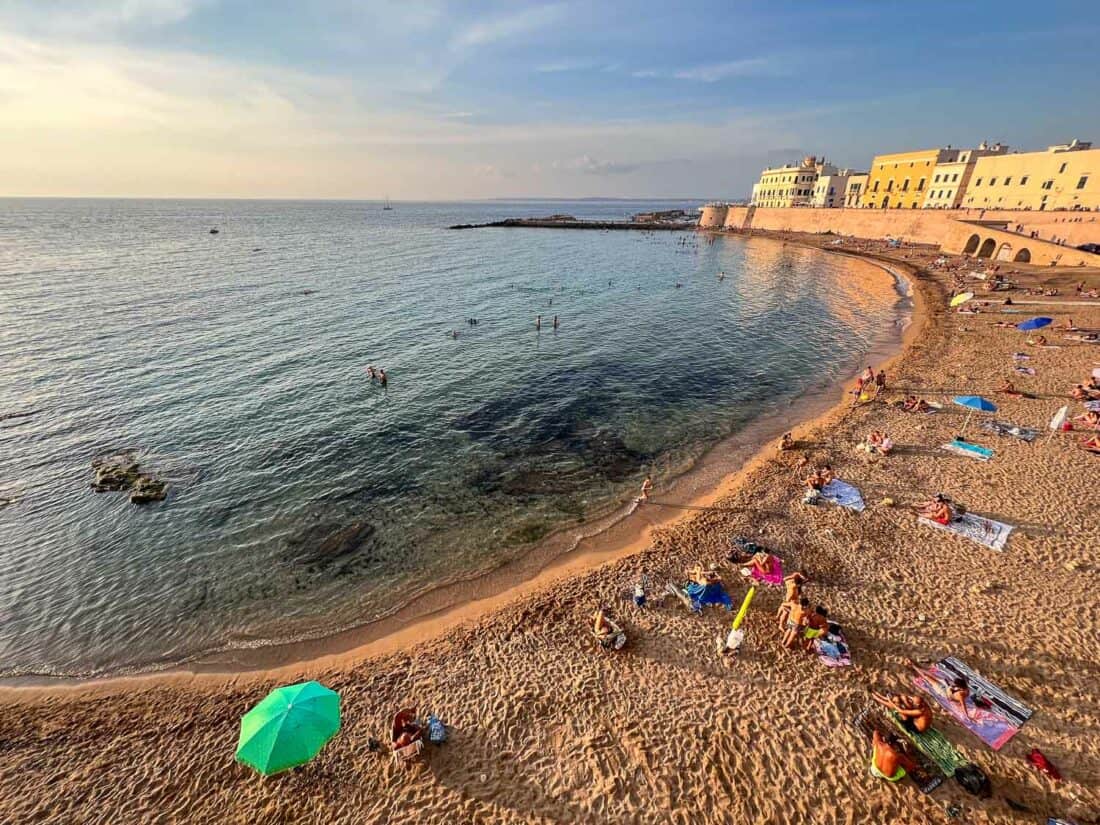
146,489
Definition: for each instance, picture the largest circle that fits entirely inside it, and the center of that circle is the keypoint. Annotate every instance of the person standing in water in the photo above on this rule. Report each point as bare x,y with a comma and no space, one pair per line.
555,322
538,322
647,485
382,376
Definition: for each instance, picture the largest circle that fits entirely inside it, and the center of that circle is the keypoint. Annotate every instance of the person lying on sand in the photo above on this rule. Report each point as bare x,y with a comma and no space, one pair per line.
1082,393
1069,326
1089,419
1004,324
937,510
958,691
915,712
796,622
792,586
1008,388
1092,444
1038,341
914,404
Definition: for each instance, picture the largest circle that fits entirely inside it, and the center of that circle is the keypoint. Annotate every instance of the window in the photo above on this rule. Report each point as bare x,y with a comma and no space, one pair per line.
937,180
876,187
1023,181
905,185
1008,180
954,178
1061,168
1084,179
890,185
920,185
978,182
992,181
1047,184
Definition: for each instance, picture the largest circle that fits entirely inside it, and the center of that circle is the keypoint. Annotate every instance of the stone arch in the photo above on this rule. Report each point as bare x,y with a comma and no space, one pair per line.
987,248
972,245
1023,256
1005,252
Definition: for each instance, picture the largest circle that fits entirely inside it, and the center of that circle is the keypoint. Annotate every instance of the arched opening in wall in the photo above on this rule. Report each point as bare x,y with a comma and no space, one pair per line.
1005,252
971,245
1023,256
885,201
987,248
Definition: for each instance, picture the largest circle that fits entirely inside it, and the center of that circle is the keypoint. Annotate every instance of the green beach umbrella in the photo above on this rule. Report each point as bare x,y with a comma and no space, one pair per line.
289,727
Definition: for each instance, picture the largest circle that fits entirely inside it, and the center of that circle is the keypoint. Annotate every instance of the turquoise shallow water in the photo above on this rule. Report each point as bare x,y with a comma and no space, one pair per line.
303,498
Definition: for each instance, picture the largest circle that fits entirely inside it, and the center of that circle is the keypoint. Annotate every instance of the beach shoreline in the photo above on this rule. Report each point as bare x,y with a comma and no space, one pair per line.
568,550
546,727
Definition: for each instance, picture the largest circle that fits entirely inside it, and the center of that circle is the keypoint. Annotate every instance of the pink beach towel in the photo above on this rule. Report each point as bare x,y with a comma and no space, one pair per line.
774,577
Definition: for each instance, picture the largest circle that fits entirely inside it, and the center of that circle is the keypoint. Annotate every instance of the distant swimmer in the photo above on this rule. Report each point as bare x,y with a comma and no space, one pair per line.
454,333
538,322
551,302
609,282
382,377
371,374
678,285
555,322
721,276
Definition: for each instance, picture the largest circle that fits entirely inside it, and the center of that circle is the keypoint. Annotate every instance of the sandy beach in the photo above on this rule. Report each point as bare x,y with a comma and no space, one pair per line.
547,727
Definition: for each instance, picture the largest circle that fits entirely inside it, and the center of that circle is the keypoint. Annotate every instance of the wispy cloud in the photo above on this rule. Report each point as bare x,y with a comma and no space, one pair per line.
589,165
94,16
506,27
561,66
713,72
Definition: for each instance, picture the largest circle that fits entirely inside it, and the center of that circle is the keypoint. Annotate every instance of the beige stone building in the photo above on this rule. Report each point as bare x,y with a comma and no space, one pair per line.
1063,177
952,175
853,192
830,189
791,185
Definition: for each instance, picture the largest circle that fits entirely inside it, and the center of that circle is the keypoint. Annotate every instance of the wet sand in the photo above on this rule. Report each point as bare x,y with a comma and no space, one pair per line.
548,728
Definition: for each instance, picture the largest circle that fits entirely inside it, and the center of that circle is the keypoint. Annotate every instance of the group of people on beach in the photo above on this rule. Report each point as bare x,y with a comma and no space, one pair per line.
869,385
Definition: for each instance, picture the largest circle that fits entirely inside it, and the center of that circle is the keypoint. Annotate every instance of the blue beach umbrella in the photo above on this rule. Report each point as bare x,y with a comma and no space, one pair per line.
1034,323
973,402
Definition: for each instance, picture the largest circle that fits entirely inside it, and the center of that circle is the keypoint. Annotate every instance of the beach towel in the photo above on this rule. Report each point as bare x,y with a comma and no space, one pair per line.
1008,429
1092,406
843,494
984,531
1025,370
832,648
1021,356
773,577
934,745
702,595
965,448
994,724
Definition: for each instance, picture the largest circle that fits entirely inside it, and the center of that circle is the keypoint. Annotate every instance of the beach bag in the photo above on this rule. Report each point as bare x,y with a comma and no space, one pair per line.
974,780
437,731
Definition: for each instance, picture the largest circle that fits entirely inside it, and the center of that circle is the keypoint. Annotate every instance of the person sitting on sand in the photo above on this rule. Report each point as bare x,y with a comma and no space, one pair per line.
792,586
914,404
817,623
937,510
1069,326
786,442
814,480
915,712
1008,388
406,730
885,758
826,475
760,562
797,618
1038,341
878,442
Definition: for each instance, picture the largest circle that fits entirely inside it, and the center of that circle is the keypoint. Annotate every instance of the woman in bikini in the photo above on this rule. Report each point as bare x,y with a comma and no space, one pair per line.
937,510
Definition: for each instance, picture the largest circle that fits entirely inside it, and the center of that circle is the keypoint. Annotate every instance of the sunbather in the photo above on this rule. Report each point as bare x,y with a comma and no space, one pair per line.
915,712
958,690
706,588
1092,444
937,510
1089,419
1082,393
607,633
878,442
1008,388
406,730
1069,326
817,623
885,757
1038,341
914,404
760,562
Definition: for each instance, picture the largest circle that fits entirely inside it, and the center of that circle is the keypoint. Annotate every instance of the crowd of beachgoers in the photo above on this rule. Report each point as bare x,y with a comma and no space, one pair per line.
887,617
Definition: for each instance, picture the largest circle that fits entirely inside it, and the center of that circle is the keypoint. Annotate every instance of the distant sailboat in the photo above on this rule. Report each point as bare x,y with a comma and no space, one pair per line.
387,207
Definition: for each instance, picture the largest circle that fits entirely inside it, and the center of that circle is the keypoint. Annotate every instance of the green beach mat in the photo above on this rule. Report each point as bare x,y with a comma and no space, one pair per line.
935,746
918,767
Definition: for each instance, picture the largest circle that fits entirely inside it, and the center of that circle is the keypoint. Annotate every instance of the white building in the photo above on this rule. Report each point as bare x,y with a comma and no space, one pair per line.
831,189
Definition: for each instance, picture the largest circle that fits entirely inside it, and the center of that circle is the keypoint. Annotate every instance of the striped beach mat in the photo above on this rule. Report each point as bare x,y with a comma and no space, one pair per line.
934,745
998,718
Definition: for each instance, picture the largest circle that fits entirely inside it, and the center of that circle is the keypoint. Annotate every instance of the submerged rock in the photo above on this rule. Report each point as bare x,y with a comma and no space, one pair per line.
146,489
324,544
122,472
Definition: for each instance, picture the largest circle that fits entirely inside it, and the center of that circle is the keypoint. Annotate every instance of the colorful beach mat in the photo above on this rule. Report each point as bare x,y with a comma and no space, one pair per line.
843,494
924,773
832,648
995,724
1008,429
968,450
774,576
984,531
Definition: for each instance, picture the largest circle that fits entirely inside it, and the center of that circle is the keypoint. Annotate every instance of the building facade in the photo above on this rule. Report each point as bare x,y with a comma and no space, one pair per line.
1063,177
952,175
830,190
853,192
900,180
792,185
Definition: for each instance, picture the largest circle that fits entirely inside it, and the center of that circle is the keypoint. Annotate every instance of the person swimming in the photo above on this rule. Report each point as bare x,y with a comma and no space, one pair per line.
538,322
382,377
555,322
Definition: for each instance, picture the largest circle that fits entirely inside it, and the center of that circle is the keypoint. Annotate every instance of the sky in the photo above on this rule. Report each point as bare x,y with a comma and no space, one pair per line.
365,99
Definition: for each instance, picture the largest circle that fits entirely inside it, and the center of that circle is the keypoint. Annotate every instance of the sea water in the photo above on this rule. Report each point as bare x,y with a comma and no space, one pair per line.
305,499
